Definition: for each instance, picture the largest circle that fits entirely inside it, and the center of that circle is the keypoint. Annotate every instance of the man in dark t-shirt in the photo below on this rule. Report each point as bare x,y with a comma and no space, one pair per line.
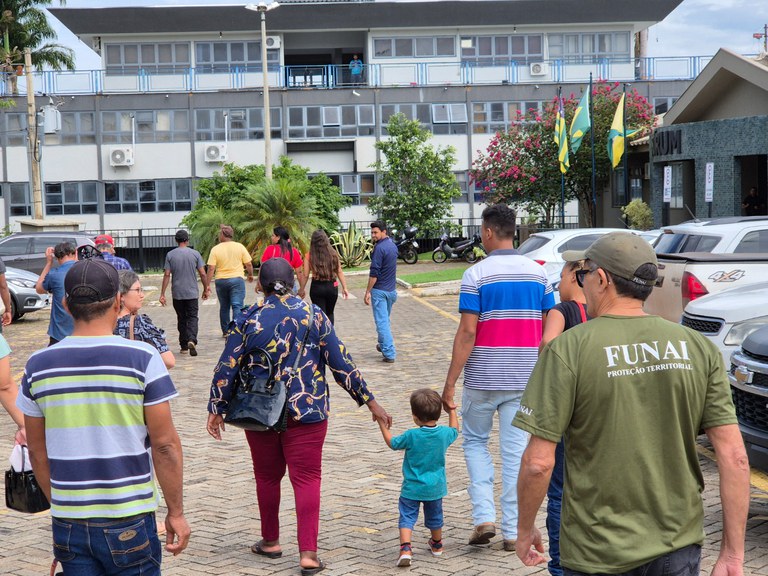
752,204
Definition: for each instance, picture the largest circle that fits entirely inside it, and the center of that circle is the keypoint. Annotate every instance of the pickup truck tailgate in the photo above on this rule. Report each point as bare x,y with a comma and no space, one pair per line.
686,276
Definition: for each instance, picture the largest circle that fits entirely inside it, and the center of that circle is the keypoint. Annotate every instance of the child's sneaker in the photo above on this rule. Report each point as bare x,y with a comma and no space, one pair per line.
406,555
436,547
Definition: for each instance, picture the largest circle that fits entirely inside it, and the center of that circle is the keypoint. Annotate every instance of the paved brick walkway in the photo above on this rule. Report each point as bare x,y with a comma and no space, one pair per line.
358,532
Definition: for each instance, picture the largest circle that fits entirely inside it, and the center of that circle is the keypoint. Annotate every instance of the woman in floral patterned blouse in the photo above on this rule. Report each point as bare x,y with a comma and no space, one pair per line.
278,325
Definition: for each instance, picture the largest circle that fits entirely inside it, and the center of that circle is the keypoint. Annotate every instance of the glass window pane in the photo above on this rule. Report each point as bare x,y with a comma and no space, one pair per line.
446,46
220,52
165,53
403,47
588,44
458,113
164,189
111,192
501,45
621,45
387,111
603,43
114,55
71,192
88,191
295,116
130,191
382,47
147,53
440,113
518,45
254,52
348,116
203,52
425,47
131,54
313,116
108,121
422,113
534,44
484,46
237,52
203,119
182,53
365,114
497,112
348,183
86,122
183,190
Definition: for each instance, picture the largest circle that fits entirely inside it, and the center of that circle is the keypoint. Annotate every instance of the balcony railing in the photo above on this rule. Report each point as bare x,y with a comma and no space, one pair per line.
208,79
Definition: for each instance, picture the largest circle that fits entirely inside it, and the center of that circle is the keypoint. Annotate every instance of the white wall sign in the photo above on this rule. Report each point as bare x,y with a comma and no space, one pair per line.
709,182
667,183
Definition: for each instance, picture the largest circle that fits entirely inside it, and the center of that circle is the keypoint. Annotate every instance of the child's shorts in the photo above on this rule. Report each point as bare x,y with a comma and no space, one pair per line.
409,513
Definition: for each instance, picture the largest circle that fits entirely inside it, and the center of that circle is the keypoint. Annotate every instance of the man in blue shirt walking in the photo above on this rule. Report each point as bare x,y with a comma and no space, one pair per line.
380,294
52,280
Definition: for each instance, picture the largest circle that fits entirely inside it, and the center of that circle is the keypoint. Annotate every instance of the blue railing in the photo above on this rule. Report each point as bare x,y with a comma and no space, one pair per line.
208,79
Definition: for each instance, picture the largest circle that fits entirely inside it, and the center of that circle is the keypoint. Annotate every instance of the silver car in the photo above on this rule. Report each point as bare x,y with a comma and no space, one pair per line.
21,285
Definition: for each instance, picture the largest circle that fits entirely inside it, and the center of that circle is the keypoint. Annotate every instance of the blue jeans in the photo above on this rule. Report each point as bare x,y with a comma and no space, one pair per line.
683,562
554,504
477,410
108,546
409,513
381,304
231,295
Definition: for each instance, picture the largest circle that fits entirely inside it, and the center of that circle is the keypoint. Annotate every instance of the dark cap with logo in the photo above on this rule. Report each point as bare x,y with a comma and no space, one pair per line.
90,281
621,254
276,274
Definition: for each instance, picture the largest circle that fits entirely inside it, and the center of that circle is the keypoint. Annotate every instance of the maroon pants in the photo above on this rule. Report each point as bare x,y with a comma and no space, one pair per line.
300,448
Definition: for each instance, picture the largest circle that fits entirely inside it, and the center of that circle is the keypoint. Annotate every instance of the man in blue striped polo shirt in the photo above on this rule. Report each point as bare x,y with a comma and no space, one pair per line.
94,404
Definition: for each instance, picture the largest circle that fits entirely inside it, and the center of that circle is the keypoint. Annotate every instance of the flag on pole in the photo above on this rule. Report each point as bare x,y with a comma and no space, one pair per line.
581,122
616,135
561,137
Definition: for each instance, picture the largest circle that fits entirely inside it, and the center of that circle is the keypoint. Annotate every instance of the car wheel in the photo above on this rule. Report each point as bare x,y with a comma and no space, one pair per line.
439,257
15,309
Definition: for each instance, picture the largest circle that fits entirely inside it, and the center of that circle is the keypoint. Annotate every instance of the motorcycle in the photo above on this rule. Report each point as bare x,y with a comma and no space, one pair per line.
463,250
407,247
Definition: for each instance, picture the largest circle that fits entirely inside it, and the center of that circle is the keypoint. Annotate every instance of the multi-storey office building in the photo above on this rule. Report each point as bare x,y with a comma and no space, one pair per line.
180,91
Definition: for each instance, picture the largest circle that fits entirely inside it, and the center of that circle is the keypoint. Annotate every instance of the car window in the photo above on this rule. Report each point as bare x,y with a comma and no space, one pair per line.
14,247
676,243
40,243
533,243
756,241
578,242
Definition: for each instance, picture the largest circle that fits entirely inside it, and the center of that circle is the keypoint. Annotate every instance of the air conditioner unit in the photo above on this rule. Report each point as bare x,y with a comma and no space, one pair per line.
121,156
215,152
273,42
539,69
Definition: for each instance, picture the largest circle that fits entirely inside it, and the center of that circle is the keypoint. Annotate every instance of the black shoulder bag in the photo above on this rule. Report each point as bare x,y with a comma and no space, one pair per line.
260,403
22,493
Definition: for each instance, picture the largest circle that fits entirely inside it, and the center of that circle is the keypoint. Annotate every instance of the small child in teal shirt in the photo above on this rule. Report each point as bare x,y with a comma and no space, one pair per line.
424,478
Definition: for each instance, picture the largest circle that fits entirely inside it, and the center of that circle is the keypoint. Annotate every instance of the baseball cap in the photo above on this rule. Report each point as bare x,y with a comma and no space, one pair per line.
620,253
104,239
182,236
276,271
92,280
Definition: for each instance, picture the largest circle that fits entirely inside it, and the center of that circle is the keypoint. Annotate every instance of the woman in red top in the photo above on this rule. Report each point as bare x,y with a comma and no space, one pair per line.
281,247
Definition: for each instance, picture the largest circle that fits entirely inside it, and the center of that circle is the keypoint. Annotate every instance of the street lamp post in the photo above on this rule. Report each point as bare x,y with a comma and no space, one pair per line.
262,8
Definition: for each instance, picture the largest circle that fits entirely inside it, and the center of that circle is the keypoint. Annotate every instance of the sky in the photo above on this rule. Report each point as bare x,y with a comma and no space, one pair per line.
695,28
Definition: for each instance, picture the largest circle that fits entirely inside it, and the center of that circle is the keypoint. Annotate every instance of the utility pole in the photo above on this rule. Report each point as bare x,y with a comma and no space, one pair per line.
764,36
33,144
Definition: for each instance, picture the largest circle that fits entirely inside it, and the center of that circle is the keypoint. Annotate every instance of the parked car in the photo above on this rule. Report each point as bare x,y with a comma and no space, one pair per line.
26,250
546,247
734,235
748,377
21,285
728,317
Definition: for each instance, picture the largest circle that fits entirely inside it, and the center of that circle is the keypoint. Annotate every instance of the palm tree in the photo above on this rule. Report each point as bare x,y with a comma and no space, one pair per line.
281,202
204,228
25,25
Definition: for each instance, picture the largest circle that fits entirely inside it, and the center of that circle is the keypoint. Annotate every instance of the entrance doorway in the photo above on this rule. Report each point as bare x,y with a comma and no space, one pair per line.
754,174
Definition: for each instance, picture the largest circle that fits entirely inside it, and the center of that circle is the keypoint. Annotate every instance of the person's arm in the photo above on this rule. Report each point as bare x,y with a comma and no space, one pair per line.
371,283
164,285
386,433
38,452
205,281
169,469
453,418
39,288
6,296
373,275
733,469
211,272
168,359
553,327
249,270
463,343
9,391
532,483
343,282
304,278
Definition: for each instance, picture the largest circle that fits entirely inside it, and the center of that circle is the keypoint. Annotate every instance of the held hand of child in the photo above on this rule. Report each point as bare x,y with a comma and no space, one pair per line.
529,548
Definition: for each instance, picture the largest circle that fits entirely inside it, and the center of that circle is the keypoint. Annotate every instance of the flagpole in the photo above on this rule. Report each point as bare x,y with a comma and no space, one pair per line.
562,175
626,147
594,186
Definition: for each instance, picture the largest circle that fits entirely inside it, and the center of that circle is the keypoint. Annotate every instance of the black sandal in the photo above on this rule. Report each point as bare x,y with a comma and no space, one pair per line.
313,569
257,549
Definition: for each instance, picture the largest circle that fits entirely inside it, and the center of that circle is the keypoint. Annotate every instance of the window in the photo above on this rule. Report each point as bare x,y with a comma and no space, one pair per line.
444,113
501,50
76,128
243,124
415,47
148,196
15,247
19,201
330,121
438,118
15,129
160,58
492,117
222,57
150,126
71,198
662,104
754,242
589,48
358,187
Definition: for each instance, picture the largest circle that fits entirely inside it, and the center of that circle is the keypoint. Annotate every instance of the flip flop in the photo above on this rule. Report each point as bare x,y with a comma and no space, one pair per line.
256,549
313,570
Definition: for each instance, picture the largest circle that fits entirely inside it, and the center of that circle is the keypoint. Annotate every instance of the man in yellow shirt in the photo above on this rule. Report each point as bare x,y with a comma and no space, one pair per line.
226,262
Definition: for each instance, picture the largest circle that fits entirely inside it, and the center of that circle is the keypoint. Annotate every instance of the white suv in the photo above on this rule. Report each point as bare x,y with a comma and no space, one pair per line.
736,235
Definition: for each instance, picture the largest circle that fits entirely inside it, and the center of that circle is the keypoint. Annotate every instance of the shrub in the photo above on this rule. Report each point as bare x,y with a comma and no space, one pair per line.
353,247
639,215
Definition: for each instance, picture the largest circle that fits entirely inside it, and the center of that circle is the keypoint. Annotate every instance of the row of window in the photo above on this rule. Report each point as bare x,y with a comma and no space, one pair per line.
236,124
521,48
589,48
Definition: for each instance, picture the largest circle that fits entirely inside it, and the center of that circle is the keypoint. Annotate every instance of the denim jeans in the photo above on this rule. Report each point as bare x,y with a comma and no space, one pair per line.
409,513
554,504
381,304
231,295
102,546
477,410
683,562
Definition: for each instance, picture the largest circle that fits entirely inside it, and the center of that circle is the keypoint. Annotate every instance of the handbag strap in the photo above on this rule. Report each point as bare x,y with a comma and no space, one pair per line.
303,343
130,326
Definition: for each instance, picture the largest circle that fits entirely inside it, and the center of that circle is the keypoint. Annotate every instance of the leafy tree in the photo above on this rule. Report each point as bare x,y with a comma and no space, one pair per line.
500,165
417,180
25,25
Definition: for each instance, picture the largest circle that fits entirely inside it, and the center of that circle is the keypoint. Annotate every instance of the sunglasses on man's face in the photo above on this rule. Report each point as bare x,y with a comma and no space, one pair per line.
580,276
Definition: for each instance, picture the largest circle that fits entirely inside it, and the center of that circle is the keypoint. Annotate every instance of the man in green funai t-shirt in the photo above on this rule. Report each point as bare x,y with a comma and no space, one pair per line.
630,393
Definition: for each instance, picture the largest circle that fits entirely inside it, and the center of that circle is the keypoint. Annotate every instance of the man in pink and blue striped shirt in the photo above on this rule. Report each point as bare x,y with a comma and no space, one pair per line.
503,302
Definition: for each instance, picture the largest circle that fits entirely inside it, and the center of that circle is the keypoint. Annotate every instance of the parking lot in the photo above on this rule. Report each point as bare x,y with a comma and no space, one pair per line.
361,477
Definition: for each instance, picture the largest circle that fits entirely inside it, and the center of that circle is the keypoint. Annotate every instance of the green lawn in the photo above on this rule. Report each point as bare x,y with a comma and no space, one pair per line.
444,275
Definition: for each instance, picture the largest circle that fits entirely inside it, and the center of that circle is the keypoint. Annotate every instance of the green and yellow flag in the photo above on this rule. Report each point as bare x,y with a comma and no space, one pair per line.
561,138
616,135
581,122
